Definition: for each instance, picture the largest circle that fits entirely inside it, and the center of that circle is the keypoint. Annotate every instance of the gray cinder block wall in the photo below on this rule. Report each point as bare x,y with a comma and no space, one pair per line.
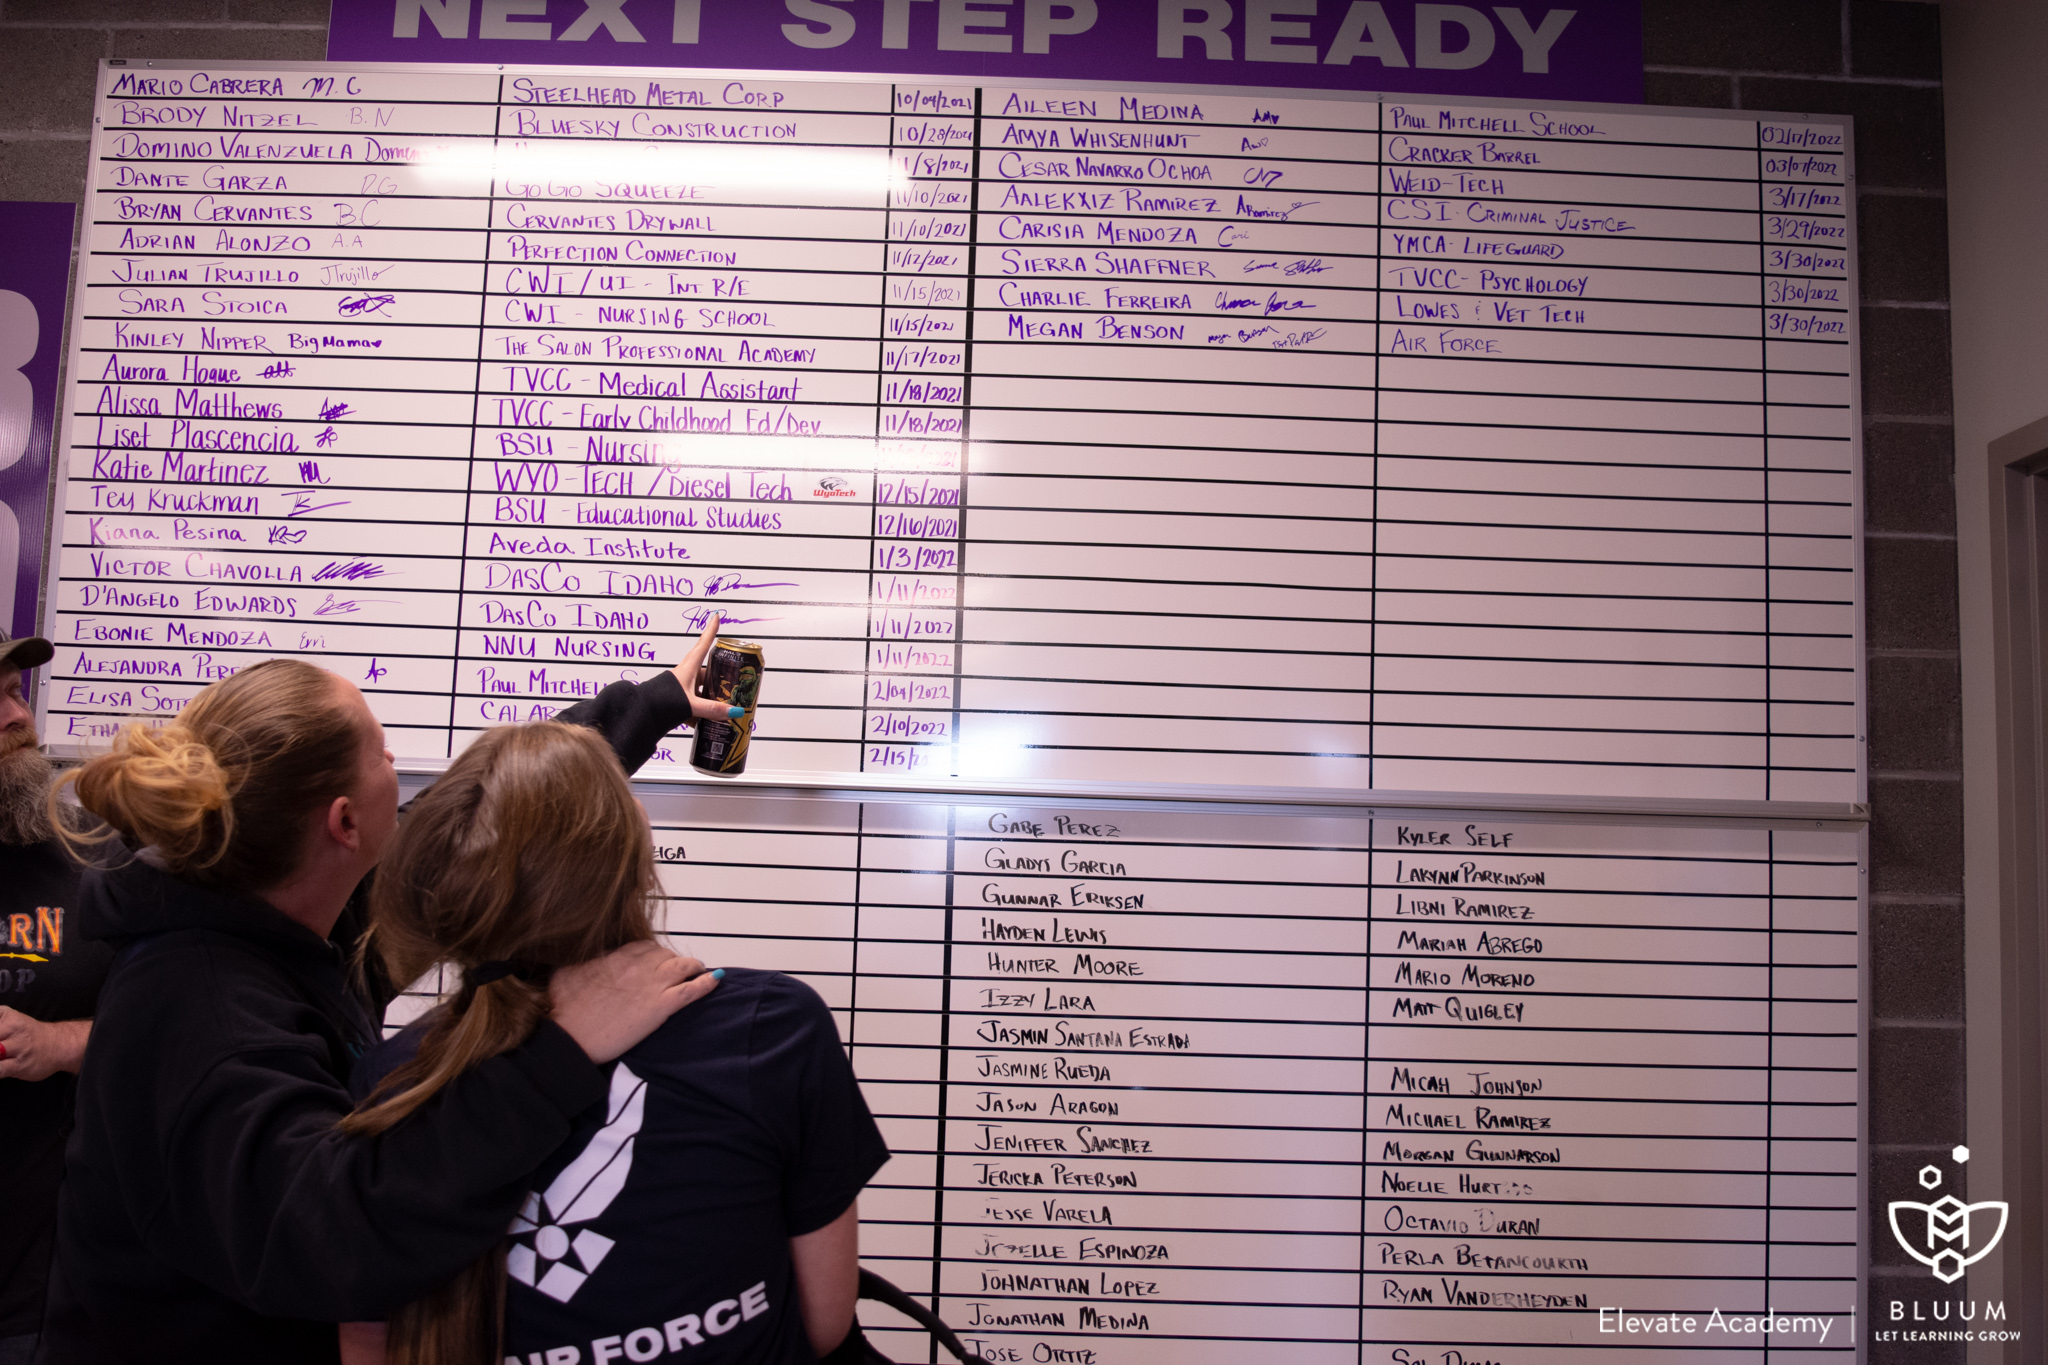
48,52
1880,60
1877,59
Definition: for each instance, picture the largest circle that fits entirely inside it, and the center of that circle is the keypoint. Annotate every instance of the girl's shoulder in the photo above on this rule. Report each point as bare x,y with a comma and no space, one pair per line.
755,1021
386,1057
754,1015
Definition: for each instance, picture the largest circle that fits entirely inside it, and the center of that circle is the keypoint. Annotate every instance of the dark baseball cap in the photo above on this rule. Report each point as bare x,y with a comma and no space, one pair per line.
28,652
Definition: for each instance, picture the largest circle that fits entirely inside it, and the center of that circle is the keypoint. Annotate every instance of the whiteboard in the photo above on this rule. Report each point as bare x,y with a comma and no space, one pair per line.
1038,434
1131,490
1176,1086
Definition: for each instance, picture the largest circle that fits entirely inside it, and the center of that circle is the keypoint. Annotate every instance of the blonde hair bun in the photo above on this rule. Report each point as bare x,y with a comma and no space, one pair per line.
223,792
162,788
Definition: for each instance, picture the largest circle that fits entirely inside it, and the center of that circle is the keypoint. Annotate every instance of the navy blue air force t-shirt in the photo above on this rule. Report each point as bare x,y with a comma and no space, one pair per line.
660,1230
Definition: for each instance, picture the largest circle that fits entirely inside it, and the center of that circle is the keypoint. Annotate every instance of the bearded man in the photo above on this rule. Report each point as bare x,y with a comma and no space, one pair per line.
49,982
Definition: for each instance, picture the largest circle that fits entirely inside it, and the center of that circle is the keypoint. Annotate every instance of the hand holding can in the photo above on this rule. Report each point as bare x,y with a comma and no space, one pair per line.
690,672
731,680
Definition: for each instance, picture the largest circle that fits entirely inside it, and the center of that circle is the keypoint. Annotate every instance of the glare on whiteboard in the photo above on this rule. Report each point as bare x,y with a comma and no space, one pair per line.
777,452
814,452
792,168
994,753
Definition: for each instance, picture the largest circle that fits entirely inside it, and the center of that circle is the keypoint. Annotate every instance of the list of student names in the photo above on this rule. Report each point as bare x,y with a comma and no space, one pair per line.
1171,1087
1035,434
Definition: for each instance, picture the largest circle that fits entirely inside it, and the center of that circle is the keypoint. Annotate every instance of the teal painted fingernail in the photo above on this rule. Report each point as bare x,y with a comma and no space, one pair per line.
718,973
735,712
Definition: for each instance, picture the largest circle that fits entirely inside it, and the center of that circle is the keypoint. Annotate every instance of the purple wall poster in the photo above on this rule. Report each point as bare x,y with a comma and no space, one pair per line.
35,266
1592,51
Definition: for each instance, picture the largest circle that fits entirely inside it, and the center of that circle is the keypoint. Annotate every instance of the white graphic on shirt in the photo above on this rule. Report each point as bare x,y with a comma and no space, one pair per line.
584,1189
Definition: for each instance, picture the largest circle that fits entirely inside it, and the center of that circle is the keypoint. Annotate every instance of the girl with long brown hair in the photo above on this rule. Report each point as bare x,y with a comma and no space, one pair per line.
213,1208
708,1207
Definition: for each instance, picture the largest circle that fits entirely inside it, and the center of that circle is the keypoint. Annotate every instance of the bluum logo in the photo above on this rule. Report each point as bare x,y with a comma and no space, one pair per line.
1947,1246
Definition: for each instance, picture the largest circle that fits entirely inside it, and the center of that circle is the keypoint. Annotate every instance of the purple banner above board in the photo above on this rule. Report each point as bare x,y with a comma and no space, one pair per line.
1591,51
34,271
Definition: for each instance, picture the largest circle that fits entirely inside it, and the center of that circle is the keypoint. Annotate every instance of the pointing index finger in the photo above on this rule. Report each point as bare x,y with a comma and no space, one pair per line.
692,663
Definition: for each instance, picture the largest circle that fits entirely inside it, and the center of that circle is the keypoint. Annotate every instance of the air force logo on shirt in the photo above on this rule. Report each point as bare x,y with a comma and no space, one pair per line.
586,1188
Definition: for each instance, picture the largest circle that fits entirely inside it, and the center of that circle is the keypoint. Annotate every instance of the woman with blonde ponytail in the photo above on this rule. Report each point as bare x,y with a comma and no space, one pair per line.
214,1208
708,1208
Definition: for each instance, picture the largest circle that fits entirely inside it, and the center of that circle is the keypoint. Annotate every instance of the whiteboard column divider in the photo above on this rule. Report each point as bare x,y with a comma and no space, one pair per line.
966,439
1365,1067
1372,596
860,829
1770,1056
475,403
939,1174
1763,377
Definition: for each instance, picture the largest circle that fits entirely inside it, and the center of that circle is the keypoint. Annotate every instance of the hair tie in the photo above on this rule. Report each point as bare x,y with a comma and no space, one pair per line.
484,973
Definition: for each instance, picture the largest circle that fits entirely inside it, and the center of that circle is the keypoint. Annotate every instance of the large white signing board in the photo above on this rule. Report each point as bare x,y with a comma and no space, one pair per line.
1170,1086
1058,438
1036,433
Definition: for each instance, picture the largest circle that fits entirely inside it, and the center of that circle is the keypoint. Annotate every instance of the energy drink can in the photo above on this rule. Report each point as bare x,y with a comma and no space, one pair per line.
732,675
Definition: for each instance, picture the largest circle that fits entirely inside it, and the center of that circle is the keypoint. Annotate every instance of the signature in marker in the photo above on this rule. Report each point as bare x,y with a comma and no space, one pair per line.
351,571
335,606
304,506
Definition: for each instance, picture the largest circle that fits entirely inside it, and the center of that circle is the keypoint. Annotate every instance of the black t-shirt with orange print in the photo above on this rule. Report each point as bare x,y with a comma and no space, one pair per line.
48,973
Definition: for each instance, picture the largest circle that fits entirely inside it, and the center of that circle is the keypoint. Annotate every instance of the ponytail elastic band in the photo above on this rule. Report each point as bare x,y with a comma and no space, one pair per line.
484,973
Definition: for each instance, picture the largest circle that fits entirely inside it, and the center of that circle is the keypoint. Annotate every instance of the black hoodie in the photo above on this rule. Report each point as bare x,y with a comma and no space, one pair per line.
209,1200
211,1211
